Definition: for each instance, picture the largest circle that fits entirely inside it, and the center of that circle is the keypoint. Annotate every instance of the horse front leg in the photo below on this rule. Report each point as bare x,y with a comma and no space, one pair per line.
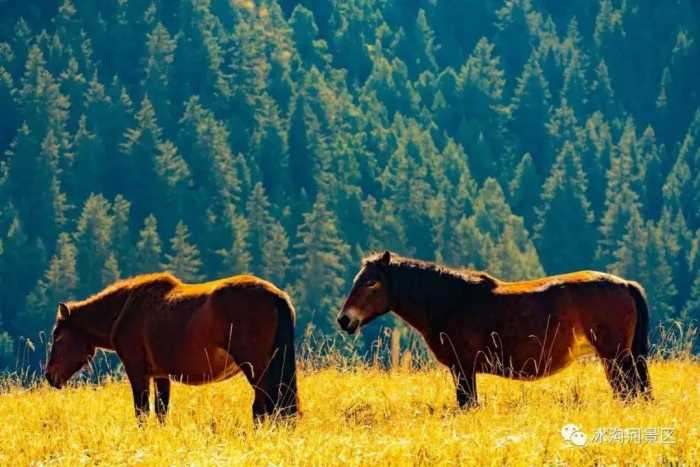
162,386
465,382
140,382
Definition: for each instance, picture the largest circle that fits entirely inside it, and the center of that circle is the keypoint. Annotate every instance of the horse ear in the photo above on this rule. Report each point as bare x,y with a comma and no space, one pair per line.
63,311
386,258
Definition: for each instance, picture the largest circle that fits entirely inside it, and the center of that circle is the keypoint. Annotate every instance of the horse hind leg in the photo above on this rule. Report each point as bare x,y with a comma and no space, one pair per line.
162,386
621,372
621,369
255,371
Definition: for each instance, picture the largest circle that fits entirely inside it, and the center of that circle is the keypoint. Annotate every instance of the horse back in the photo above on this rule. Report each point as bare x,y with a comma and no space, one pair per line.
538,326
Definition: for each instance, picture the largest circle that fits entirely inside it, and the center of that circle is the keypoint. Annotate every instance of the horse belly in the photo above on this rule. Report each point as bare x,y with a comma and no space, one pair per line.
535,355
206,366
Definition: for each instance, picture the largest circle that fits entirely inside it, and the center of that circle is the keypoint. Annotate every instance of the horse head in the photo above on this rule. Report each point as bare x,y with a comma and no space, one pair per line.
369,297
71,349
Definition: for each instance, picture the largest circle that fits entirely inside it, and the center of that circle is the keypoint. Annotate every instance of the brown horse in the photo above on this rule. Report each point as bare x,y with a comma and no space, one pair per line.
474,323
162,328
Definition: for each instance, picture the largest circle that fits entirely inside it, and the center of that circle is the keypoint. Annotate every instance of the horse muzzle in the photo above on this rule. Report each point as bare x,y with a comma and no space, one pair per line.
348,324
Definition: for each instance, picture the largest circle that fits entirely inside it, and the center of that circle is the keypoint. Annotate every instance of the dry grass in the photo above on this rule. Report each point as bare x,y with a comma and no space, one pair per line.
361,417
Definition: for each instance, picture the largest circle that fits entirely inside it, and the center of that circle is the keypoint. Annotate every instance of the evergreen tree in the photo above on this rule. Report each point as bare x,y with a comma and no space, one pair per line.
236,259
320,262
93,239
564,233
525,190
148,247
681,187
491,234
183,261
59,283
269,145
642,256
275,261
530,111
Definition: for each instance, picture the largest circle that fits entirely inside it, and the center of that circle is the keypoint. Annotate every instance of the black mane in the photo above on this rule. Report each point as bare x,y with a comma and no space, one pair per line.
432,286
428,268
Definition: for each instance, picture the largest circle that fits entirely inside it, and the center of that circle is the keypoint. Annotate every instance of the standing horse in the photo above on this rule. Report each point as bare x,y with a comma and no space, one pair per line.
474,323
162,328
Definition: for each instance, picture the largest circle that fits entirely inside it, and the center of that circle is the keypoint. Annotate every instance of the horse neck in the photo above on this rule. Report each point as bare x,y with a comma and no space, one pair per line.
408,297
96,316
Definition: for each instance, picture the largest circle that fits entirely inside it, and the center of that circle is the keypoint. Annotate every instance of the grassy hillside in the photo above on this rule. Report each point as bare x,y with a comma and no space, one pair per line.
363,417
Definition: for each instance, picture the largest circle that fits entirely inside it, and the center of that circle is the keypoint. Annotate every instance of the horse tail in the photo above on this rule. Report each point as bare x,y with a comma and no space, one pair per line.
640,342
282,370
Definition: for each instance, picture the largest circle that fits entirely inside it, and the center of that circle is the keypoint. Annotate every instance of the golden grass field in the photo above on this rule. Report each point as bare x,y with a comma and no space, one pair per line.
364,417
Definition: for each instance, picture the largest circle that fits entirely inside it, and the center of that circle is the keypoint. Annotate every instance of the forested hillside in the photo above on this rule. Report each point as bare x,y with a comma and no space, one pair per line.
287,139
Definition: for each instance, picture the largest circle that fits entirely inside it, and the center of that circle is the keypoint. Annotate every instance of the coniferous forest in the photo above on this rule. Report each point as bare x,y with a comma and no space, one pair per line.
288,139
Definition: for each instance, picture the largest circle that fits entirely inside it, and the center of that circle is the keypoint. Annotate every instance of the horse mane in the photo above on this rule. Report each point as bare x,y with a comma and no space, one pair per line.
471,277
127,285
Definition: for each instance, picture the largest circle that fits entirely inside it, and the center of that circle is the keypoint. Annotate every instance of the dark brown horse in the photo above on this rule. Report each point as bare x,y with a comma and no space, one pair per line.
162,328
474,323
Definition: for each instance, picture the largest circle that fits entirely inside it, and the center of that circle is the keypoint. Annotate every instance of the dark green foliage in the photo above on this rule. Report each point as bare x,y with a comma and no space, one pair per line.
183,260
287,139
564,233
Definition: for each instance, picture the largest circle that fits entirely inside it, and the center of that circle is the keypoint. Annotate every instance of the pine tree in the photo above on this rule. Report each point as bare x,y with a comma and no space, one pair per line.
236,259
681,186
148,247
216,175
319,262
525,190
183,261
275,260
642,256
88,164
596,156
259,223
481,84
564,233
313,51
93,242
516,23
158,70
618,212
575,87
492,233
59,283
301,158
21,265
139,149
620,201
530,112
602,94
110,270
270,149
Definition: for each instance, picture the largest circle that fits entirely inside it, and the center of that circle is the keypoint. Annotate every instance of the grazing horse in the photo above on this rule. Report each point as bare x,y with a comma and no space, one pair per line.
475,323
162,328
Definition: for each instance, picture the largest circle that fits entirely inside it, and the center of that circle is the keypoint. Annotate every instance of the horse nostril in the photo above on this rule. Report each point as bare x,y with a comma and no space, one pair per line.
343,321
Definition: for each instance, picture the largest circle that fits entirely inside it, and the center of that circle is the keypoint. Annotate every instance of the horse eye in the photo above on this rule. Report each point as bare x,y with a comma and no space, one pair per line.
371,283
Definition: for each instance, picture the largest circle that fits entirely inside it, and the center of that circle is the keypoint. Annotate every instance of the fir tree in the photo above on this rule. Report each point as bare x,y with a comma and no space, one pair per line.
59,283
320,262
530,111
94,242
236,259
148,247
564,233
183,261
525,190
